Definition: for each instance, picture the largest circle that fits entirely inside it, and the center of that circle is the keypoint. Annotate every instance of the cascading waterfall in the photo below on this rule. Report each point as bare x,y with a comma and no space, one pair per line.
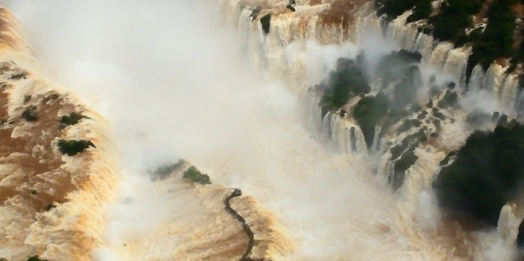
453,61
343,131
305,202
74,189
344,134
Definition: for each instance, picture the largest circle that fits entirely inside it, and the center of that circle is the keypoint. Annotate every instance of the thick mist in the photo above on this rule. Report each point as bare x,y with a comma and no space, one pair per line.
174,84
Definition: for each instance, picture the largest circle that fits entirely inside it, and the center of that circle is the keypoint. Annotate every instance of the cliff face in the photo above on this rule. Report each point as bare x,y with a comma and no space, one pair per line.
51,195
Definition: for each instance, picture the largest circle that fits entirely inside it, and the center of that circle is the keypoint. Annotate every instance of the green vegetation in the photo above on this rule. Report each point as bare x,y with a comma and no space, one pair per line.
196,176
394,8
454,17
343,84
397,150
30,114
401,165
487,172
17,76
71,119
164,171
395,65
503,119
73,147
434,91
438,127
266,23
368,111
423,10
406,125
393,117
416,123
449,24
417,136
422,115
438,114
497,39
400,66
415,107
35,258
448,158
406,91
477,118
450,99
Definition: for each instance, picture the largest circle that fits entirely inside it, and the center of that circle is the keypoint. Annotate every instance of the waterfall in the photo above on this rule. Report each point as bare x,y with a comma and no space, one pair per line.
304,201
425,46
377,139
52,204
477,76
440,55
346,135
456,63
404,35
450,60
509,222
341,130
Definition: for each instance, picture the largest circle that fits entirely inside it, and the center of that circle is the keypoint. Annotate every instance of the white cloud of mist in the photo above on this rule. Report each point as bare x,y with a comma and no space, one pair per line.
145,66
171,84
494,248
428,214
319,60
375,47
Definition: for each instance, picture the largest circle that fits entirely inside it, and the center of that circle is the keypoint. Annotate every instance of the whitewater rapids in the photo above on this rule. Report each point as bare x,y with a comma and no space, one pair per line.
172,91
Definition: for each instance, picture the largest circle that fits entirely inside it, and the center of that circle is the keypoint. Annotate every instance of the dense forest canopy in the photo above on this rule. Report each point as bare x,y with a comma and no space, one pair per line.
456,20
487,172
